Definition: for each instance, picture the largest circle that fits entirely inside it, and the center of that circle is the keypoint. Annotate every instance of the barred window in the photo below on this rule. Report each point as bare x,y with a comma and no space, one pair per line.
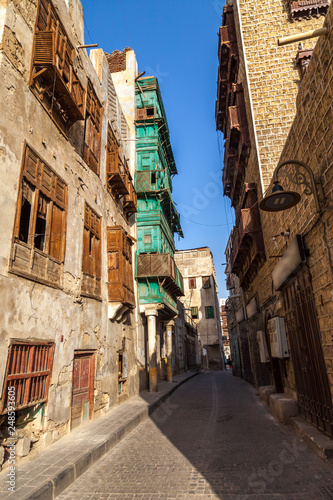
28,374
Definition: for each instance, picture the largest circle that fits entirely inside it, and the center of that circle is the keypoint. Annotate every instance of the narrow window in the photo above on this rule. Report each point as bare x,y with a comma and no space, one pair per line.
40,230
153,177
192,283
27,196
194,312
147,239
209,310
91,261
150,111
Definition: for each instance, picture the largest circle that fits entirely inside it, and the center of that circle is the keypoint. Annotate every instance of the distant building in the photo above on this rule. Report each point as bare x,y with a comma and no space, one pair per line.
201,301
224,326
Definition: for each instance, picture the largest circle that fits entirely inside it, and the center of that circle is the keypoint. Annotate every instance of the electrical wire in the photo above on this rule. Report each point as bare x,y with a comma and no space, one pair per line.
206,225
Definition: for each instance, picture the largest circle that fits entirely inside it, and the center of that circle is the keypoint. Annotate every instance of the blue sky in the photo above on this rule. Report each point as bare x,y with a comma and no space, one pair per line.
176,41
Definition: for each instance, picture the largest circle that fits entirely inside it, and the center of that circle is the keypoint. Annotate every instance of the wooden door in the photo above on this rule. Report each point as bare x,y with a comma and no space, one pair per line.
313,390
82,388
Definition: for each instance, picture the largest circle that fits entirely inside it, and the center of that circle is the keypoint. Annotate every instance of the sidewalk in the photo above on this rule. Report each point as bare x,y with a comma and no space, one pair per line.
55,468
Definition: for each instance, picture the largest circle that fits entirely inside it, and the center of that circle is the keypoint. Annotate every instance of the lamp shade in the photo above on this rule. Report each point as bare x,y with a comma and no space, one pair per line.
279,199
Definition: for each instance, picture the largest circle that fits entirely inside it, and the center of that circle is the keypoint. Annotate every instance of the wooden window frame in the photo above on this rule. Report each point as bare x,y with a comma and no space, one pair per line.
53,78
209,312
92,130
120,266
91,254
43,183
192,283
31,376
194,312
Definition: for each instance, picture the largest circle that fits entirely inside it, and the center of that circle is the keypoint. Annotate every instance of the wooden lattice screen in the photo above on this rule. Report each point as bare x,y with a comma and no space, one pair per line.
28,371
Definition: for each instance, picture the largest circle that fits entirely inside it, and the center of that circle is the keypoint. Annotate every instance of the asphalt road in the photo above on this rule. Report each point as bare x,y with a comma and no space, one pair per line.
212,439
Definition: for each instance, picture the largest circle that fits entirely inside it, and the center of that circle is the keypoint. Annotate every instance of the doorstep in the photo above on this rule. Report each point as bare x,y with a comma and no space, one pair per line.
320,444
58,466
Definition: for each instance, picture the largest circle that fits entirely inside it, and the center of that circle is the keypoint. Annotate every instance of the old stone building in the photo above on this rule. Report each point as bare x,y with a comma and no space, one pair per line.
201,301
275,105
70,332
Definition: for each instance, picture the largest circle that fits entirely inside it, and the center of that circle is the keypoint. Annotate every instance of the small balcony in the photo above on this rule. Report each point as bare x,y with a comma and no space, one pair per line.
53,69
301,8
163,267
130,200
247,246
117,175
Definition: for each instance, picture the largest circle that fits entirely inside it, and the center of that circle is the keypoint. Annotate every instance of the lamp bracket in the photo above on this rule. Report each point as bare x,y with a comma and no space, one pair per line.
311,187
298,177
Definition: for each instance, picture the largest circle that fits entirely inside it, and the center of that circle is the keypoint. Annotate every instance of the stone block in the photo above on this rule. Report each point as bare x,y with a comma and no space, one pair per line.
265,391
22,447
283,407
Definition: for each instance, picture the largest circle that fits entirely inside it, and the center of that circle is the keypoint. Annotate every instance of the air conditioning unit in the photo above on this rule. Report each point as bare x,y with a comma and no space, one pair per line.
278,338
263,351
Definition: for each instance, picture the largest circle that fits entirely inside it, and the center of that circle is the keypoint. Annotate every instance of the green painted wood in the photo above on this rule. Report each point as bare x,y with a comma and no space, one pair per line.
157,217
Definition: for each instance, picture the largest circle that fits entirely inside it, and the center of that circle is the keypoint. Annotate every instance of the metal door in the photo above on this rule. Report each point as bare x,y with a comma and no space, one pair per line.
313,390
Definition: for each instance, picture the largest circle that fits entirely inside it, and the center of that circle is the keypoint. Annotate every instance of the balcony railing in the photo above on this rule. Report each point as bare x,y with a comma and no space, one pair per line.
130,200
162,266
117,175
299,8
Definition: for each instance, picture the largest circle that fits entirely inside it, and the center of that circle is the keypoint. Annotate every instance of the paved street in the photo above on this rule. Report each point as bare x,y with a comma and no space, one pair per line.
212,439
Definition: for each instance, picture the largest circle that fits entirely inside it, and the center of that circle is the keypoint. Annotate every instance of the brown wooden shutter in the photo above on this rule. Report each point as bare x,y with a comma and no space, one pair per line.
86,257
141,114
44,48
97,257
56,234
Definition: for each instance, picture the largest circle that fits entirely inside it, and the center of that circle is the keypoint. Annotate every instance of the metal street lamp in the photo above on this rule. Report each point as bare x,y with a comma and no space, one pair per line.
282,200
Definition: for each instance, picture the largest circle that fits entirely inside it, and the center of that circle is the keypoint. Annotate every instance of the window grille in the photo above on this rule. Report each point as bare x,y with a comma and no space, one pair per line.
29,369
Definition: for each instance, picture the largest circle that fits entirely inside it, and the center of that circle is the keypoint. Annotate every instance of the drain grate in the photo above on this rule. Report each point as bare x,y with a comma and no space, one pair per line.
327,492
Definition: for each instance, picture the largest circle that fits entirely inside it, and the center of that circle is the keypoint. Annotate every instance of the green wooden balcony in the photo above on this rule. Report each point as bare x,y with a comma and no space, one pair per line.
163,267
151,181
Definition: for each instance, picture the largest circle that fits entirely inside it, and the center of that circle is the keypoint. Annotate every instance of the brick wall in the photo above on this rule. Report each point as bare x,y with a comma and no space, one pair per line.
293,120
273,79
117,60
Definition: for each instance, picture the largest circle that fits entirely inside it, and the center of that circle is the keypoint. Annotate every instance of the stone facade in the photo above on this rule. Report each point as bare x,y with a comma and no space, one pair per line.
289,118
60,305
201,301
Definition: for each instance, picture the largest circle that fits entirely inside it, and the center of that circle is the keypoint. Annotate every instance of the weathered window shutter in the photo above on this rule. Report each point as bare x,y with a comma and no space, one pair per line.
57,234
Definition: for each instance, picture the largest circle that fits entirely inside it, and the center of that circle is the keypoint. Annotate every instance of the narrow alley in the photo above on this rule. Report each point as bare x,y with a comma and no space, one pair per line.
211,439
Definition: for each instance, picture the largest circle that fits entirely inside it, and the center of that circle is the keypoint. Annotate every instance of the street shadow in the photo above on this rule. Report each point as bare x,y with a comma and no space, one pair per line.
216,422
